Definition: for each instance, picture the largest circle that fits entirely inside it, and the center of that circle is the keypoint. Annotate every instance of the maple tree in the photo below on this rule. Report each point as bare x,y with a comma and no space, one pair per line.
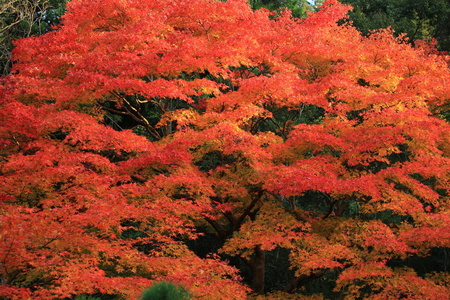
255,132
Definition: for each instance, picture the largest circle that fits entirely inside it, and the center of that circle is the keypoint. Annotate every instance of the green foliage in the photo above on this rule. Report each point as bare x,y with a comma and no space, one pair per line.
96,296
299,8
86,297
419,19
165,291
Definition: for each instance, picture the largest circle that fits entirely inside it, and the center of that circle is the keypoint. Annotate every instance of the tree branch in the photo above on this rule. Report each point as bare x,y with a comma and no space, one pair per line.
221,232
137,116
248,210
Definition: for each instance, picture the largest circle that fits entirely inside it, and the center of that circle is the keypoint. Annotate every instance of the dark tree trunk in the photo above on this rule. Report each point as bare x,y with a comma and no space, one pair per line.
257,265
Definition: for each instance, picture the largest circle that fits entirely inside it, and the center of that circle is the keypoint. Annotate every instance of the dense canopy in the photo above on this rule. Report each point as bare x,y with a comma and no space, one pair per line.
206,144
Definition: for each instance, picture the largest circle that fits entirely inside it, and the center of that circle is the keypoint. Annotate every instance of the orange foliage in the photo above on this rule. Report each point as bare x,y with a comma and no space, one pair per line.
246,118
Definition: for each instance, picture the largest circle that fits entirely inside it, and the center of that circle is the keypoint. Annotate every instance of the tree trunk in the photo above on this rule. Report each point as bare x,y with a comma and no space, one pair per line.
257,264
